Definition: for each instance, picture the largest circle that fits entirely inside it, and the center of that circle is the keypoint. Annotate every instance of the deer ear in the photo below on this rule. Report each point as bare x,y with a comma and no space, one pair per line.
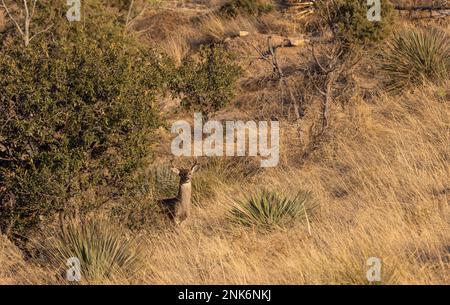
175,170
195,168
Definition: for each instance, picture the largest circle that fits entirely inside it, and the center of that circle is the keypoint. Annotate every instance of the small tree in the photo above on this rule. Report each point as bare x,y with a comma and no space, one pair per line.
207,85
349,23
335,56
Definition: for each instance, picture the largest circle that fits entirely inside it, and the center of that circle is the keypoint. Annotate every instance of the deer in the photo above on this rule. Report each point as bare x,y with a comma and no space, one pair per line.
177,209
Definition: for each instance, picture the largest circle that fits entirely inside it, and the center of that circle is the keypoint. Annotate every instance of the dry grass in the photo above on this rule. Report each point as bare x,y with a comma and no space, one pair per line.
219,28
178,45
382,185
381,182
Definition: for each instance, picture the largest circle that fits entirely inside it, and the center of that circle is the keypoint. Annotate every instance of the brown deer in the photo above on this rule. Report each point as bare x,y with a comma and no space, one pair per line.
177,209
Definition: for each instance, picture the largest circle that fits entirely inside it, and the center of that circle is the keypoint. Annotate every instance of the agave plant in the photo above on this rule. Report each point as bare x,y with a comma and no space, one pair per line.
271,209
412,57
102,251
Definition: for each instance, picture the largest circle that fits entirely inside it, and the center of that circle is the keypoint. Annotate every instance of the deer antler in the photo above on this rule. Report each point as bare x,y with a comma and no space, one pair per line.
195,163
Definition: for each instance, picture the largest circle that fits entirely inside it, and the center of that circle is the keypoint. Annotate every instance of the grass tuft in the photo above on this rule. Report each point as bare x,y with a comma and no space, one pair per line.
103,252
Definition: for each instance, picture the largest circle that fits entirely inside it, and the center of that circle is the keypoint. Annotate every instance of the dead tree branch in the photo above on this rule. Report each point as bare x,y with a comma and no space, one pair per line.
270,56
421,8
131,20
24,30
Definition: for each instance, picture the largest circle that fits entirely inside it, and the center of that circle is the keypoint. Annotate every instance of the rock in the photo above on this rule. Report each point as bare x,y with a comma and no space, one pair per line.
243,33
296,42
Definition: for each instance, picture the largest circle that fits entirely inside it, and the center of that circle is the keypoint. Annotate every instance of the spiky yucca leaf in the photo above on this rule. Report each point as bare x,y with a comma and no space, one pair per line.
103,252
412,57
271,209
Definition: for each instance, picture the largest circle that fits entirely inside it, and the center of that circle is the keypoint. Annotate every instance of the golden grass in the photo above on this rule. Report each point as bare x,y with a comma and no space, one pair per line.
219,28
178,45
382,184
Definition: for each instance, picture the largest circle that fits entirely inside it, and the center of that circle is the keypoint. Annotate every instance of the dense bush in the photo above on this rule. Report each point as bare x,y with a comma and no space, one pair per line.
233,8
208,85
76,113
348,19
412,57
269,209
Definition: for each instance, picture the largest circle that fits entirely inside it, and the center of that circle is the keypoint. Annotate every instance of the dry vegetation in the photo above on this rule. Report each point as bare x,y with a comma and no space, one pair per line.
378,177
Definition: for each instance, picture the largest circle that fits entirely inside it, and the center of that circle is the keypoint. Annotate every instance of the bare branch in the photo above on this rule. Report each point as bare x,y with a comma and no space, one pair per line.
12,18
33,9
129,21
317,60
129,13
40,32
422,8
25,32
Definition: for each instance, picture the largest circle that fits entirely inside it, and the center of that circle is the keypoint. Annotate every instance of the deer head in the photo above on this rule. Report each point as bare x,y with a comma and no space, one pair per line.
185,174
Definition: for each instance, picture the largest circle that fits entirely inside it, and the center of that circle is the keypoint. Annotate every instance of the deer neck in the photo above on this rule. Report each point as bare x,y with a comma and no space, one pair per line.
184,194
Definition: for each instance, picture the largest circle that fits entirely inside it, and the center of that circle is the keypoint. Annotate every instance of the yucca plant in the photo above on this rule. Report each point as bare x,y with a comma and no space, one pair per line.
412,57
269,209
103,252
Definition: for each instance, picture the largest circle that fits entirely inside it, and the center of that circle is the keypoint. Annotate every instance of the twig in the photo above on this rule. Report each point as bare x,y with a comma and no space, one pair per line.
421,8
12,18
129,21
40,32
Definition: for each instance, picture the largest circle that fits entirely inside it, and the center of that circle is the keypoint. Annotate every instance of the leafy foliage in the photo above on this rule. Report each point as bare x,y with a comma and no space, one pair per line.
76,113
414,56
348,19
208,85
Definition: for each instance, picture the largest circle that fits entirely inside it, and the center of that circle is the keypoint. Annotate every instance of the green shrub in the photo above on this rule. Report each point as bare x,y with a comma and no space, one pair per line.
137,213
208,85
414,56
268,209
234,8
348,19
76,114
103,251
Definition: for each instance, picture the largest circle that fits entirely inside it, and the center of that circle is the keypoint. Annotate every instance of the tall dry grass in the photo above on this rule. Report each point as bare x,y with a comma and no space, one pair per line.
382,185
